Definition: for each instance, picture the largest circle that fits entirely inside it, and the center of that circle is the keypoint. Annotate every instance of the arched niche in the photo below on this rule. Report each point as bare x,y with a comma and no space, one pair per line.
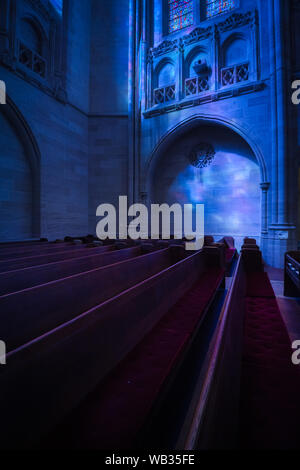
164,73
235,50
230,188
196,54
20,177
33,35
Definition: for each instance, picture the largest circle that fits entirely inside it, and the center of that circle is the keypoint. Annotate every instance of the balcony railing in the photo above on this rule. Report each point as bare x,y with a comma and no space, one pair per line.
196,85
235,74
164,94
32,60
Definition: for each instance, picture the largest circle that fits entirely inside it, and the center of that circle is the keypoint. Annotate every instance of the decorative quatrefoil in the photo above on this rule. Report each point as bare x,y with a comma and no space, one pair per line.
202,155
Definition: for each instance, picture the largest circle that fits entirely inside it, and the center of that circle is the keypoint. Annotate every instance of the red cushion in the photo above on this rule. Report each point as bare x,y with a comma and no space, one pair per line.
259,285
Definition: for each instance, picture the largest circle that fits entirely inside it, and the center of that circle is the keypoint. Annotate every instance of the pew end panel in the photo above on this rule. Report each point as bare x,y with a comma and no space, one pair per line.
215,256
212,423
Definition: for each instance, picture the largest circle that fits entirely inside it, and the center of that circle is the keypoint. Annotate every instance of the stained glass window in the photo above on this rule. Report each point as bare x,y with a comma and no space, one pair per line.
181,14
58,5
216,7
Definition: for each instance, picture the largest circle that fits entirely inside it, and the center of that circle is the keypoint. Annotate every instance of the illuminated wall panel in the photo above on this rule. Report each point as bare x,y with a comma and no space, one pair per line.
229,187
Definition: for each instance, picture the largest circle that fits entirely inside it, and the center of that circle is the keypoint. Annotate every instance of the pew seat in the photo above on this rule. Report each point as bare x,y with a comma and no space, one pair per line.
116,414
259,285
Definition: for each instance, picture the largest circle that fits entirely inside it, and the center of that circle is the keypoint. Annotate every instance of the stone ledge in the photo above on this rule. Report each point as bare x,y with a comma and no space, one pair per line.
205,98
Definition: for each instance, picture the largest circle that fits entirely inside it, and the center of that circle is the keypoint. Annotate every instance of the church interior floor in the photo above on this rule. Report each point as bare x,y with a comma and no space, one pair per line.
289,307
275,274
290,312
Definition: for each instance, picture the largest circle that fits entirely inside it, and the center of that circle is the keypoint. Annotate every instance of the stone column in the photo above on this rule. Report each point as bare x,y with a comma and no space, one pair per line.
149,80
131,100
4,25
282,231
215,58
143,61
264,207
180,72
255,52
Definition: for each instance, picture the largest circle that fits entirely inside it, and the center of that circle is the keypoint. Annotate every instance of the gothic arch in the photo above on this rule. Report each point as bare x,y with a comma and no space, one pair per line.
160,66
196,122
34,22
193,53
202,120
229,41
17,121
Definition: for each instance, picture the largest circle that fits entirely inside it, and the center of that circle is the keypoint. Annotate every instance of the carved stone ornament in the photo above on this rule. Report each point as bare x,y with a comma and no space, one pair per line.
202,155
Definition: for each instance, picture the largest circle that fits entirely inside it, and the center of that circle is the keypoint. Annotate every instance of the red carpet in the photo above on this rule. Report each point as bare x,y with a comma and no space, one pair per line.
270,389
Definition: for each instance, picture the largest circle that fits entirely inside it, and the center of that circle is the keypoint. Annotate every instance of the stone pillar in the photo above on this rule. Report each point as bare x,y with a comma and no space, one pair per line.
180,73
149,80
282,231
158,25
143,60
264,208
215,58
4,26
131,100
255,50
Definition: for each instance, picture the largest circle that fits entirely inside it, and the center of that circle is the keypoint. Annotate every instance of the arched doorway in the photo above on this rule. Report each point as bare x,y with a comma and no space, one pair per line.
229,186
20,177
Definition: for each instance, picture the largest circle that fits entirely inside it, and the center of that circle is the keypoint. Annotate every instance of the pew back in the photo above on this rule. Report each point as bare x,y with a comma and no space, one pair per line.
38,260
14,281
28,314
57,370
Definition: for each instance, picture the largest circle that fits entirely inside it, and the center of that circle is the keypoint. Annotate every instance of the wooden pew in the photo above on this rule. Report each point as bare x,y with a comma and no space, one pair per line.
213,423
58,370
212,420
231,252
126,410
250,244
44,250
30,313
5,245
292,274
38,260
14,281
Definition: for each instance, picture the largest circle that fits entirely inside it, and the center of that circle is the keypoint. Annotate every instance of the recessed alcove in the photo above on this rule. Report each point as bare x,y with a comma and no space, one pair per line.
229,186
19,177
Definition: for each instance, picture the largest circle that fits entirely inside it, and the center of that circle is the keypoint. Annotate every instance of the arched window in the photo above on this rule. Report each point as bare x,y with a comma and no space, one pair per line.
58,5
31,36
32,47
216,7
181,14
